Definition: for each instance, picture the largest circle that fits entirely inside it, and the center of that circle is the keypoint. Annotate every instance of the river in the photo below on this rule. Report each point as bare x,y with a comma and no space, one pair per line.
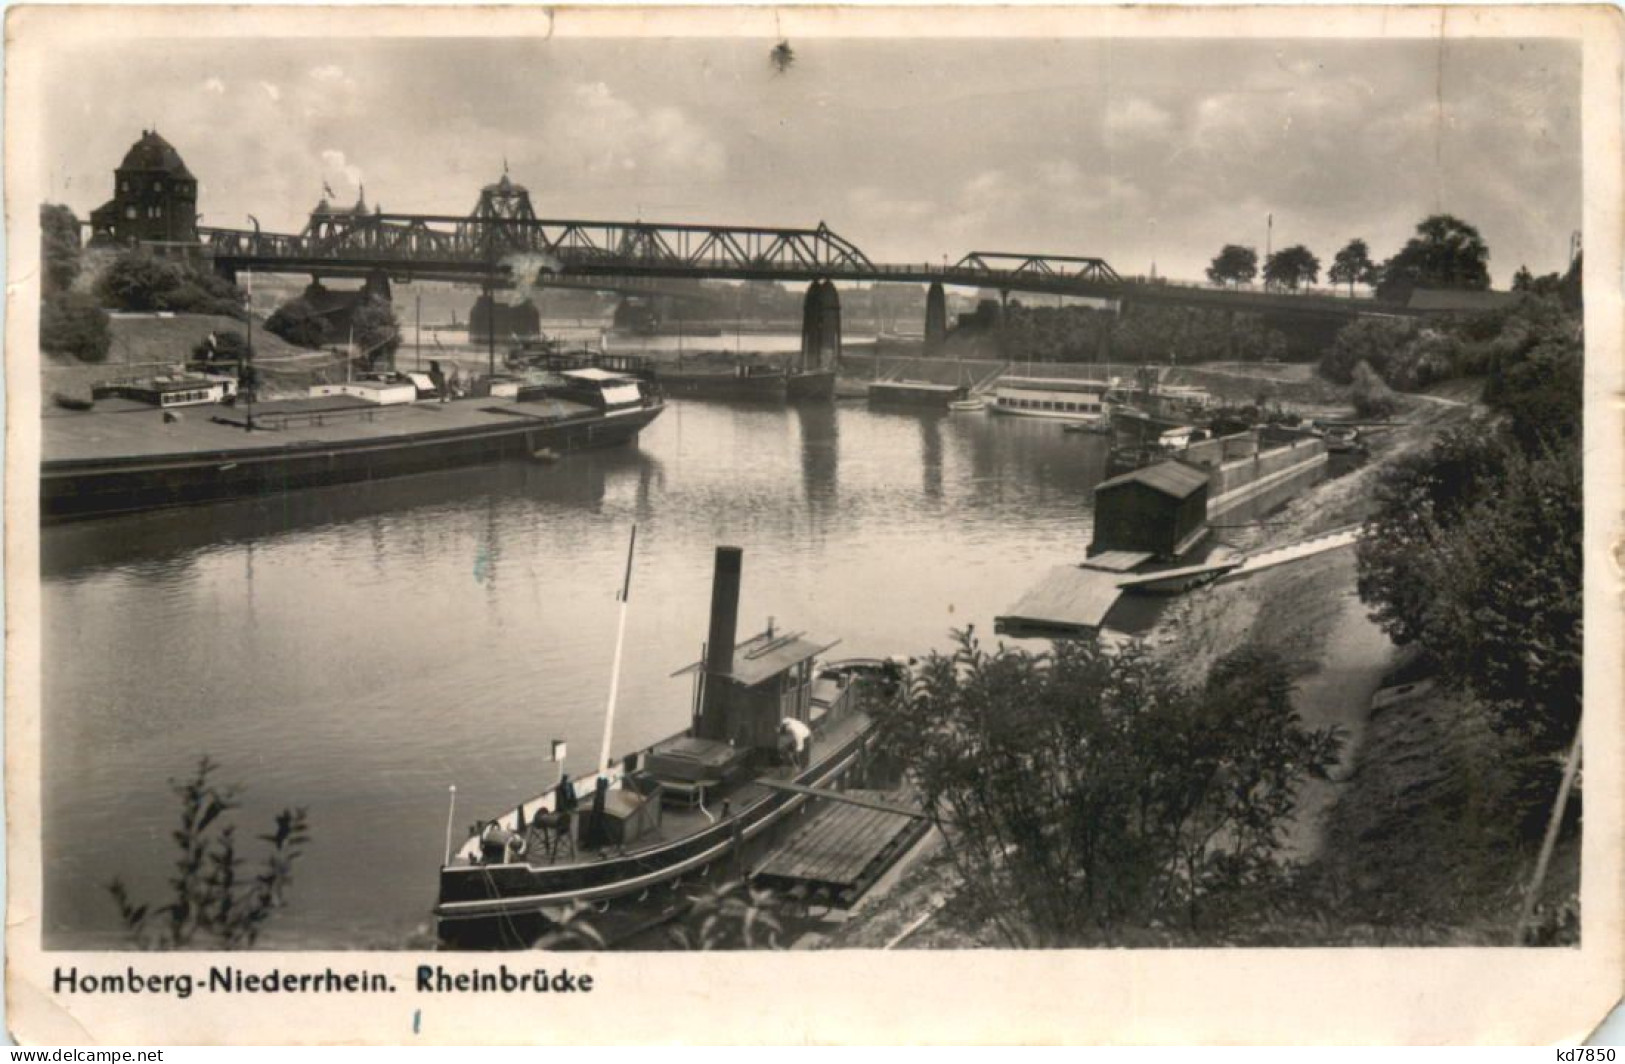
357,650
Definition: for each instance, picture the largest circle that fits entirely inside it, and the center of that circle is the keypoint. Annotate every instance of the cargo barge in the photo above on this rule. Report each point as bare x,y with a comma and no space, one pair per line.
126,457
748,382
916,394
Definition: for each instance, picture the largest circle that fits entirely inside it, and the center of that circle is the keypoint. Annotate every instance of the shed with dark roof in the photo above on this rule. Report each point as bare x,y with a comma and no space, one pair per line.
1159,509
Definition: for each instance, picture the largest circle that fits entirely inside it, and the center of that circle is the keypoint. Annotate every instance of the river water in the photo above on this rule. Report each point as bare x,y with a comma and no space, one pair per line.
358,650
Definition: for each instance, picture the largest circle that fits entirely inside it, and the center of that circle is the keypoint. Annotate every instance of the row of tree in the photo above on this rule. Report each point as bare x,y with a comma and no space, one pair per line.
1446,252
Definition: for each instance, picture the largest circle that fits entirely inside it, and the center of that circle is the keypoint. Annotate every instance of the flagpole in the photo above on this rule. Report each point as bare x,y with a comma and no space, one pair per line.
615,667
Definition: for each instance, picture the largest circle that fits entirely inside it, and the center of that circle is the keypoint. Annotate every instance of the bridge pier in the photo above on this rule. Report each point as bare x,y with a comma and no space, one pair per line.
820,327
377,286
936,318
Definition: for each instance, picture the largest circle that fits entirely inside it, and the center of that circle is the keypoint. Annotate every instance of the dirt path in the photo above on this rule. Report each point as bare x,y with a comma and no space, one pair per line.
1356,656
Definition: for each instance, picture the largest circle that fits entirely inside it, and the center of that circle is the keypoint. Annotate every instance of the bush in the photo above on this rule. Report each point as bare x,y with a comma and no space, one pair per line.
59,248
1474,554
1080,791
138,281
1372,398
298,322
377,334
72,324
209,895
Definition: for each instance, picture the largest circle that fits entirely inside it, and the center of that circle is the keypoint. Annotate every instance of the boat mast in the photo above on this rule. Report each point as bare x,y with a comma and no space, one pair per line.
615,668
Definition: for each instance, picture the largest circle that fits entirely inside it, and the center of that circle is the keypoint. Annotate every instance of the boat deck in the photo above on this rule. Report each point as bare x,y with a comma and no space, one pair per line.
677,821
841,850
125,429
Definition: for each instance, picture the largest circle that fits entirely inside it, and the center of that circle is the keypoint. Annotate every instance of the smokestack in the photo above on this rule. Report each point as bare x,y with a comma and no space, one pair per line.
724,612
719,654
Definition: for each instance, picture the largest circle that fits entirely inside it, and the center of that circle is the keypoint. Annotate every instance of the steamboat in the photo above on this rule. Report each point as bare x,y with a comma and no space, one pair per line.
674,809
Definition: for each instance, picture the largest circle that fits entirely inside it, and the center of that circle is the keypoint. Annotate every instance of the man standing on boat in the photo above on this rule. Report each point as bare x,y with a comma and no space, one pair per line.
794,737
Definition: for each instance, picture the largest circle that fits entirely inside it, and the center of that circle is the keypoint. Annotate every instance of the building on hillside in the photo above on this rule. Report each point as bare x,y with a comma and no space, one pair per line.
154,198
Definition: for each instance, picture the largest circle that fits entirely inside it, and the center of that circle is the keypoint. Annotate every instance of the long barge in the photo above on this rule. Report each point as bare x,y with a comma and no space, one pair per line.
748,383
126,457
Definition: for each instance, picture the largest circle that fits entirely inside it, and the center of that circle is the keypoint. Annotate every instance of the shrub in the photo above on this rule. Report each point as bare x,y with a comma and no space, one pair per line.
209,895
138,281
1372,398
298,322
72,324
1081,791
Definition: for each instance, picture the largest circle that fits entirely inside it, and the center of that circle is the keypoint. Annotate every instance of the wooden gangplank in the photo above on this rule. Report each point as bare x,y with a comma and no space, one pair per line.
842,848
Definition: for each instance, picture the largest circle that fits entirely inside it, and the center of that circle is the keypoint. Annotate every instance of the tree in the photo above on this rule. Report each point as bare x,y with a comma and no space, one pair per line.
1081,791
71,323
1233,265
1292,267
59,248
209,893
377,334
1446,252
1373,341
1353,265
300,323
1473,553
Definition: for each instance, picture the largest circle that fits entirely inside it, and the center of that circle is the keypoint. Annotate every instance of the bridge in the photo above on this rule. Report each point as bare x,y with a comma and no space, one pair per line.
502,243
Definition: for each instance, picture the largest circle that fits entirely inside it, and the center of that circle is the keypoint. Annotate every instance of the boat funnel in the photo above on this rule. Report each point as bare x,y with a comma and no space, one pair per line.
719,655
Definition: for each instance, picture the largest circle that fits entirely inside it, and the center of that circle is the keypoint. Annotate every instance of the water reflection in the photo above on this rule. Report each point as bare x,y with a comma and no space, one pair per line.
156,544
358,649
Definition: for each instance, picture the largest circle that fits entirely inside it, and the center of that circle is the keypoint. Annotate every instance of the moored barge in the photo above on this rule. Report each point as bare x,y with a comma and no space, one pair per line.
125,456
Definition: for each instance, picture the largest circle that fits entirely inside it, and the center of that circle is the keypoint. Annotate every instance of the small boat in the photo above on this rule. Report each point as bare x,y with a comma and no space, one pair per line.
968,406
692,800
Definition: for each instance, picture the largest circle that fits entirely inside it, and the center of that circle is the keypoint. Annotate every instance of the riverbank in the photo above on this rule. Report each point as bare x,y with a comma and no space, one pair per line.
1411,839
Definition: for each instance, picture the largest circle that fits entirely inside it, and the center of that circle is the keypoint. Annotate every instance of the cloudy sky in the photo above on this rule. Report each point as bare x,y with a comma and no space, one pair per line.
1137,151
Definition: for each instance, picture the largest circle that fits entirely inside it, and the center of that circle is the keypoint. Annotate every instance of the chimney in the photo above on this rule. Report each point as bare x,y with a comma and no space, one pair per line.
719,657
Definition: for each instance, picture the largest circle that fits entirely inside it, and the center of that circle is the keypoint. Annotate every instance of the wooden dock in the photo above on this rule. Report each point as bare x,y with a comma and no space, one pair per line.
842,849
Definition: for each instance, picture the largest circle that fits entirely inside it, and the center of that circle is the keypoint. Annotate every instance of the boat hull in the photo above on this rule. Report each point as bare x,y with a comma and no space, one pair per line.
102,487
478,903
755,388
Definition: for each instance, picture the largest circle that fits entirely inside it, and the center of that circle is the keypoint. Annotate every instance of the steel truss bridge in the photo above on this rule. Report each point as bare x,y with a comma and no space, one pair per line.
500,252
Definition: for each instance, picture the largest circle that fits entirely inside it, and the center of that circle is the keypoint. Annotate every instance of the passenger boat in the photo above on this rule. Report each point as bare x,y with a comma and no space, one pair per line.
1077,401
673,809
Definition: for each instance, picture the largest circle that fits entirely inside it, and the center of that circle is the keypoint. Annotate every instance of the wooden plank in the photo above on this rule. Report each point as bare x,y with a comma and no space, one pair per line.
848,799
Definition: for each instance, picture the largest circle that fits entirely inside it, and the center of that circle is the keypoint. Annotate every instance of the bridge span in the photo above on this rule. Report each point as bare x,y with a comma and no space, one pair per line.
496,251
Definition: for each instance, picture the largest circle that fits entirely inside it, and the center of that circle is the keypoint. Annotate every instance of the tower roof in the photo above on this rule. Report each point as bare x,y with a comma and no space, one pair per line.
153,152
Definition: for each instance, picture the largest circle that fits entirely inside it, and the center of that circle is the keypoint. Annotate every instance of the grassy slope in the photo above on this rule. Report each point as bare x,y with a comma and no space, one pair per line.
143,345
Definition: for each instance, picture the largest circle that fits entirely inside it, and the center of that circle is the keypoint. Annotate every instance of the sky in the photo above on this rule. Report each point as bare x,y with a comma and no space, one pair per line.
1142,152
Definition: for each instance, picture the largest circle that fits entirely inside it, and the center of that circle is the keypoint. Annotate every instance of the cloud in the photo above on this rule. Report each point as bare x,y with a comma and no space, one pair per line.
215,85
614,138
334,161
272,90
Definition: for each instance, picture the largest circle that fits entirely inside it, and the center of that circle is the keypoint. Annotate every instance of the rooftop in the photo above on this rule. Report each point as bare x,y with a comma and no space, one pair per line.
1170,478
766,655
153,152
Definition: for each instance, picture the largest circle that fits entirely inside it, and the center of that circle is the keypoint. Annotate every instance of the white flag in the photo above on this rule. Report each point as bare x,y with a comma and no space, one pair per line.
558,751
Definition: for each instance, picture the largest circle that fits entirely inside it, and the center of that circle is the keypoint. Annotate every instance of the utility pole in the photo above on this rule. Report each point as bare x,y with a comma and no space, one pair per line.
248,354
417,333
